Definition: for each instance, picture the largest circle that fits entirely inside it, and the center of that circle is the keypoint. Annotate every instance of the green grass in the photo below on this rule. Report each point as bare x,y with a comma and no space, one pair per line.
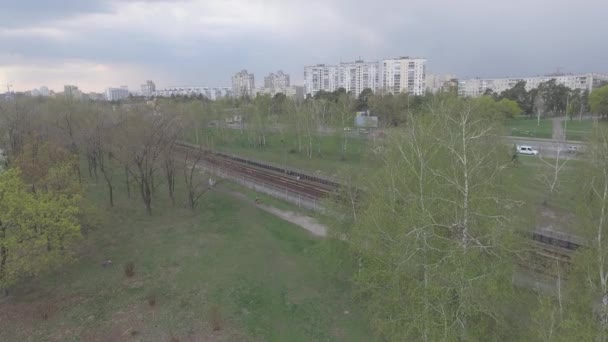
524,184
524,127
580,129
260,273
283,149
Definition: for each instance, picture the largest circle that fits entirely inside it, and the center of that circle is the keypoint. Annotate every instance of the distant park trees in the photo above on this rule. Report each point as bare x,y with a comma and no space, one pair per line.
598,101
549,98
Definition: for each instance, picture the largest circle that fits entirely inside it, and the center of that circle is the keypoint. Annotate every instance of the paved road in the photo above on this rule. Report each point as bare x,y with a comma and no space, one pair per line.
548,147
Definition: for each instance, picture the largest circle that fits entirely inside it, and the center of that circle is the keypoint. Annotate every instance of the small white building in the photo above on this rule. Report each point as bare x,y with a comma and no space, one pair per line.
117,94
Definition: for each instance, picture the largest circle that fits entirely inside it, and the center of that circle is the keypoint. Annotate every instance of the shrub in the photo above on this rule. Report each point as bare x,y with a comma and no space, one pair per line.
151,299
130,269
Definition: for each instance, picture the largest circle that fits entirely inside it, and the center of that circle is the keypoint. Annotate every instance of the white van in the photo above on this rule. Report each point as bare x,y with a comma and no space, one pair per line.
526,150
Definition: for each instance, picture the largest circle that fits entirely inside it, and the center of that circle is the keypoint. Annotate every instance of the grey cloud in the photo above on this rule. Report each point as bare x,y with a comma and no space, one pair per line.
34,12
469,38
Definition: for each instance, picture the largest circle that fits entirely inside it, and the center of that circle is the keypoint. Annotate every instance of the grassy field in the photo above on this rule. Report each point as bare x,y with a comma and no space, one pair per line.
524,183
580,129
524,127
227,266
282,149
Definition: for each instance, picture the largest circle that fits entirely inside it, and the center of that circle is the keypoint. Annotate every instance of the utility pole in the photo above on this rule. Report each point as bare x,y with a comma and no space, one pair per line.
8,88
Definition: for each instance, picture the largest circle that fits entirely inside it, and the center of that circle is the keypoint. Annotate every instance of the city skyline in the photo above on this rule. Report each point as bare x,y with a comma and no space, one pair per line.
102,42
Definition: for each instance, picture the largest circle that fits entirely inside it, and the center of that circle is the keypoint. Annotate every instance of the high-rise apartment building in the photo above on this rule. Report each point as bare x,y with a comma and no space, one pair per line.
477,87
276,83
404,75
321,77
148,88
358,75
243,84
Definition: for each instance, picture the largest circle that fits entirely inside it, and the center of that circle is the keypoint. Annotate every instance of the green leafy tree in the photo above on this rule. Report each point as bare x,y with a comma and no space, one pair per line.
519,94
362,104
598,101
502,109
432,235
37,230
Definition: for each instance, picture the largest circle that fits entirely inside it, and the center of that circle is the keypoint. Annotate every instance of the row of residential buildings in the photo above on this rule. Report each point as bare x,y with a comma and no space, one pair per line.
243,84
392,76
397,75
478,86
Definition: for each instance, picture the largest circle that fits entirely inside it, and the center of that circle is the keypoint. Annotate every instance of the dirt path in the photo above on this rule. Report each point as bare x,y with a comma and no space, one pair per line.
306,222
558,129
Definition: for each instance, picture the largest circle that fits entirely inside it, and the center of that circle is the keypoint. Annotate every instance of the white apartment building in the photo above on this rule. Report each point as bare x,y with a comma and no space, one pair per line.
117,94
276,83
243,84
212,93
148,88
477,87
358,75
321,77
404,75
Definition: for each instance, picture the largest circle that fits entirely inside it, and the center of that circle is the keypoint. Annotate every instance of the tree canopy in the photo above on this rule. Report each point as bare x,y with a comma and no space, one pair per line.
598,101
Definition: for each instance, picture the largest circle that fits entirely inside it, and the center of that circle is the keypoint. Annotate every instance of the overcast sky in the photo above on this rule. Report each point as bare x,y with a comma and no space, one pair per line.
99,43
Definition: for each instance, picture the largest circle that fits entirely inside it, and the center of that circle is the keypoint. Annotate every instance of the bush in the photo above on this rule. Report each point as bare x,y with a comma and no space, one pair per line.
130,269
151,298
215,318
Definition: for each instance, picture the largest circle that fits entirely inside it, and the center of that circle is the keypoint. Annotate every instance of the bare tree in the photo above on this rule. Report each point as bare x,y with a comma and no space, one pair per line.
169,168
550,176
146,136
195,184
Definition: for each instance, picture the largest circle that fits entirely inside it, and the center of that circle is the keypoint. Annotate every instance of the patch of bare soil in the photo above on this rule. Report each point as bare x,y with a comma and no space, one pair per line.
551,219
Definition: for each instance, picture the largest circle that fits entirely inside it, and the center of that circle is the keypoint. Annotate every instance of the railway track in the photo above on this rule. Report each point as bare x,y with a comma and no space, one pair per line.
548,249
300,183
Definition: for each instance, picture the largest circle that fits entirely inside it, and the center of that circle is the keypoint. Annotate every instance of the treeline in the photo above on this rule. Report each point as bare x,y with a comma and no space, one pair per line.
552,99
306,126
53,147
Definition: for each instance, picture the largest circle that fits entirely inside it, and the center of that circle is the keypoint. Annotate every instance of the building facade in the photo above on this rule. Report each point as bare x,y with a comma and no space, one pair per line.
358,75
212,93
44,91
276,82
404,75
117,94
243,84
440,83
477,86
148,88
321,77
